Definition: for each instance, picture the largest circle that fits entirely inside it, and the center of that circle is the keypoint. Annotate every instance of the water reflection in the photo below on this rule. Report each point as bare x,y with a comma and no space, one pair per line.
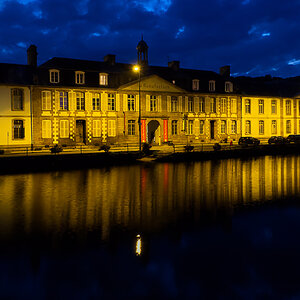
139,197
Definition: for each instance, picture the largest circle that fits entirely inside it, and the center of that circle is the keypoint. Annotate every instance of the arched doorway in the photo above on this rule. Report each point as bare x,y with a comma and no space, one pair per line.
154,136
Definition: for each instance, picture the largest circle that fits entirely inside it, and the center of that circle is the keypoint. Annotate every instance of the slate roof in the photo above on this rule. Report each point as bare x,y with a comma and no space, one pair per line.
16,74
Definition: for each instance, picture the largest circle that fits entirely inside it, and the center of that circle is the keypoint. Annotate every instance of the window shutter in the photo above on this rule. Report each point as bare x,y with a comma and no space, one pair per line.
46,129
207,104
197,127
104,98
233,106
72,100
180,103
137,102
147,102
168,103
111,128
186,99
196,103
96,128
56,100
117,102
88,101
125,102
159,103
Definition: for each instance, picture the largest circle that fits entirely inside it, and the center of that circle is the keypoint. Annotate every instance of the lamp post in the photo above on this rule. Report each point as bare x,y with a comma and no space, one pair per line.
137,68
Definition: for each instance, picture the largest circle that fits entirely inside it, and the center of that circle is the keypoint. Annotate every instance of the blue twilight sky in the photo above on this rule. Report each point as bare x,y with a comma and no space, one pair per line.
255,37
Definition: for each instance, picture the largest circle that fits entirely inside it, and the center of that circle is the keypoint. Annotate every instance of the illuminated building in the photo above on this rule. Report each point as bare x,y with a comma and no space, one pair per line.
80,102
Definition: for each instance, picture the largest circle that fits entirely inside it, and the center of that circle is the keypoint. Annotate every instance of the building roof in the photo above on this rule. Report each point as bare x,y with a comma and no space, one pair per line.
16,74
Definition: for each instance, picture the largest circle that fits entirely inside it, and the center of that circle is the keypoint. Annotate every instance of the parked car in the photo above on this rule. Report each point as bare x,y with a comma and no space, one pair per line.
293,138
277,140
245,141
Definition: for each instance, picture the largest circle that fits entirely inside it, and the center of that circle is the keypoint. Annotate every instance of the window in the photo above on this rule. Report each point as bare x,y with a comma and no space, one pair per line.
228,87
46,100
261,128
288,126
153,103
223,104
96,128
80,101
54,76
46,129
274,127
131,102
111,102
213,106
248,106
223,126
190,127
201,124
195,85
174,104
233,127
174,127
273,106
64,129
248,127
17,99
202,105
63,101
111,128
103,79
288,109
260,106
96,101
131,127
79,77
212,85
190,104
18,129
299,108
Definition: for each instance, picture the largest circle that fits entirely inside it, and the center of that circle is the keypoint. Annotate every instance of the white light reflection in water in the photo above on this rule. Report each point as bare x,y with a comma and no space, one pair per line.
138,246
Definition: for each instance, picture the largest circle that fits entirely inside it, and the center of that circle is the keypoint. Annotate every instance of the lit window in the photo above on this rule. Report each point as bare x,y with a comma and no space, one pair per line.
273,106
223,126
202,105
228,87
64,129
248,127
248,106
96,101
288,107
46,100
174,127
54,76
213,106
131,127
18,129
288,126
153,103
212,85
261,127
190,104
274,127
223,105
131,102
201,127
46,129
17,99
111,102
191,127
103,79
174,104
260,106
63,101
79,77
233,127
80,101
195,85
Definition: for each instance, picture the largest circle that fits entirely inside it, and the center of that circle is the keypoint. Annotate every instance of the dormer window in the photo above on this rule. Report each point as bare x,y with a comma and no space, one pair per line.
103,79
79,77
228,87
54,76
195,85
212,86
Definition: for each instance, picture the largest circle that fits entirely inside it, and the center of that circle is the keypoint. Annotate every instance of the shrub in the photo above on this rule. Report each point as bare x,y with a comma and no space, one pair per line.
56,149
105,148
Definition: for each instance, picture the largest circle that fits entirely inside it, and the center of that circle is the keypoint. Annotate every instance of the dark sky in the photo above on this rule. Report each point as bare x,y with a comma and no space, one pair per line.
255,37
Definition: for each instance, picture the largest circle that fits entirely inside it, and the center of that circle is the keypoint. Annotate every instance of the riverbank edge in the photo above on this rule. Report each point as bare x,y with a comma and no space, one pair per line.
57,162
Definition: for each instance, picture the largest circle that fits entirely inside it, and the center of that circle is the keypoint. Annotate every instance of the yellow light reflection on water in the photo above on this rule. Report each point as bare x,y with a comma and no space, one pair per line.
138,246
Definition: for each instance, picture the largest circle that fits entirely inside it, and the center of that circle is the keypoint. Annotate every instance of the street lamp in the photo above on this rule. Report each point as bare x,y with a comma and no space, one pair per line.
137,68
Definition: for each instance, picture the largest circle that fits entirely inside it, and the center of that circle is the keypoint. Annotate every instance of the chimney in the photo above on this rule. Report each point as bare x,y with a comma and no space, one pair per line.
174,65
110,59
32,56
225,71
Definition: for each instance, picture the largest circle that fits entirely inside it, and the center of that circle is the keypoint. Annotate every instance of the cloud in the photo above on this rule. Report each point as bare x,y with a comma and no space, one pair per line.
179,32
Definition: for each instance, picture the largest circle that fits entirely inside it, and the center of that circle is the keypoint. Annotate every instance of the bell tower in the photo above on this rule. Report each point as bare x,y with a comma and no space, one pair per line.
142,52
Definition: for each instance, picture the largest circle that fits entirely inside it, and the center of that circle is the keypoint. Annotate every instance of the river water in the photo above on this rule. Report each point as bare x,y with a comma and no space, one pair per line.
208,230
